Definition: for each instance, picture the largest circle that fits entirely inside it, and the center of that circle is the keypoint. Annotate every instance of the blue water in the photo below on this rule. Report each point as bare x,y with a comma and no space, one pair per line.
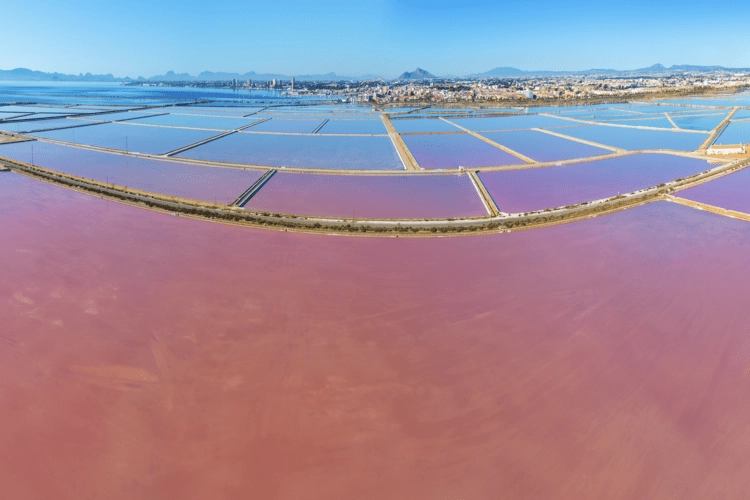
304,108
589,112
443,151
661,122
657,109
220,111
289,126
571,109
305,151
8,116
511,122
38,116
132,138
692,111
35,126
457,111
742,99
699,122
604,116
735,133
206,122
543,147
123,115
13,108
423,125
117,93
636,139
400,110
353,127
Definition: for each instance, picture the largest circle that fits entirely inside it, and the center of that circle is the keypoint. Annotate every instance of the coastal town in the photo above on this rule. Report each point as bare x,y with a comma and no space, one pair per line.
506,90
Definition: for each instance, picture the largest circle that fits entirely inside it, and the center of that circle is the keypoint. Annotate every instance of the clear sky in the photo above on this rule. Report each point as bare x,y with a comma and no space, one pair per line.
383,37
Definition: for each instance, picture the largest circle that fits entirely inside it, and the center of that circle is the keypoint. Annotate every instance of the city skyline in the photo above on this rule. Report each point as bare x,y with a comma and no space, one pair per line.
382,38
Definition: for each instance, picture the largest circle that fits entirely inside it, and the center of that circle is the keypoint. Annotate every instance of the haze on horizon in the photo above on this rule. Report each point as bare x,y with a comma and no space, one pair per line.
381,37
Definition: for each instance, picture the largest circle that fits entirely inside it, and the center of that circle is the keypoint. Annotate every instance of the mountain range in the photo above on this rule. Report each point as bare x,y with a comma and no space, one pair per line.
23,74
651,70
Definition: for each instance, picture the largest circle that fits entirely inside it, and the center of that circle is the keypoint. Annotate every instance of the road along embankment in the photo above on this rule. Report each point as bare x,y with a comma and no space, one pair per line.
412,227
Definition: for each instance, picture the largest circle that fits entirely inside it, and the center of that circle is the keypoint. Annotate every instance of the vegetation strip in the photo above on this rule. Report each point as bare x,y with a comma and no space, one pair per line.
410,227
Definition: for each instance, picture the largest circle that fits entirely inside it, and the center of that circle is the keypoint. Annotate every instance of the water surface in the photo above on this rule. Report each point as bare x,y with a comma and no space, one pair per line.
128,137
292,126
306,151
543,147
423,125
218,185
353,127
511,122
552,187
731,192
707,123
456,150
147,355
637,139
208,122
735,133
382,197
39,125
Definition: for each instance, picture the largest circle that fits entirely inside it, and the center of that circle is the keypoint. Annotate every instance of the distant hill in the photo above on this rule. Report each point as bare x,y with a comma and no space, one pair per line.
23,74
506,72
171,76
501,72
417,74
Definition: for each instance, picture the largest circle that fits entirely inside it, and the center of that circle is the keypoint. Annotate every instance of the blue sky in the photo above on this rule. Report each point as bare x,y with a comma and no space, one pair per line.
384,37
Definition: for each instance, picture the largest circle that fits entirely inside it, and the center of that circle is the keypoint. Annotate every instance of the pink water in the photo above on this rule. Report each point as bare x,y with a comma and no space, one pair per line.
144,355
217,185
731,192
402,197
552,187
